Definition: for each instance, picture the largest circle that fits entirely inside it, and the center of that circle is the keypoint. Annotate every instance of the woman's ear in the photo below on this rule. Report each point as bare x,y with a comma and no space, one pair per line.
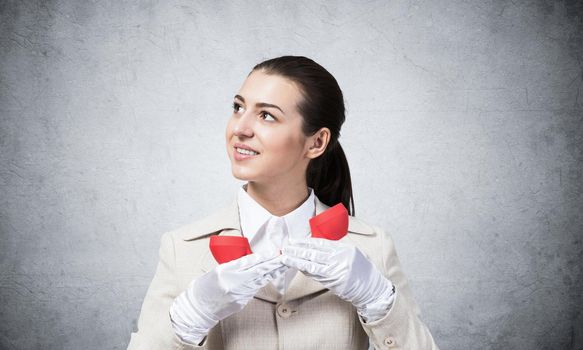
317,143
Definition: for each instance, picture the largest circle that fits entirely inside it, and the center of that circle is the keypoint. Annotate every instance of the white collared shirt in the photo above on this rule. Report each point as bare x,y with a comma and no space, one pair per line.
254,219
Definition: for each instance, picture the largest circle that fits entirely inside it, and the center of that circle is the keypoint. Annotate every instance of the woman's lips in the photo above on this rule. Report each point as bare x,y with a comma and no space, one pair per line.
240,156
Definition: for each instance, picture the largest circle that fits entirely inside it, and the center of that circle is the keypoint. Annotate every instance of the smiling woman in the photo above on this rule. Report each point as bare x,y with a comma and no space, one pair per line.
292,291
260,124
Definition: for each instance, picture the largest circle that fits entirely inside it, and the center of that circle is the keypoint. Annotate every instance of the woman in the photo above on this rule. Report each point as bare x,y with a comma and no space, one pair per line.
293,291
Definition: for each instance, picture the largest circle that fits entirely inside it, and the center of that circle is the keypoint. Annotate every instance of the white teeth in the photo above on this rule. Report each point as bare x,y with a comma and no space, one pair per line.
245,151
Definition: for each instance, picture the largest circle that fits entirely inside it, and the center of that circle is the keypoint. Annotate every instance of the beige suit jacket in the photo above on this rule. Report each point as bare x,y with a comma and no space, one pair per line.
308,317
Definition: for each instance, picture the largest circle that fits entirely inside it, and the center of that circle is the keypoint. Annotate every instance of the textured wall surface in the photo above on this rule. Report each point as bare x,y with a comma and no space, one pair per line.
464,135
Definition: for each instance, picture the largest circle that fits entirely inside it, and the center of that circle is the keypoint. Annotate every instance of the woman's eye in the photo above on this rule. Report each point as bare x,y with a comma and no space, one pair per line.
236,107
267,114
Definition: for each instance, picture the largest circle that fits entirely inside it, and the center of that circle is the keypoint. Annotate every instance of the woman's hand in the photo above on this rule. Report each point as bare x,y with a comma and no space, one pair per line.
345,271
220,293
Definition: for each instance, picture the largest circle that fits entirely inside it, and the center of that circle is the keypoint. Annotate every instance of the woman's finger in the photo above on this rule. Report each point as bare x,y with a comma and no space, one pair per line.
316,243
262,280
321,257
258,269
306,266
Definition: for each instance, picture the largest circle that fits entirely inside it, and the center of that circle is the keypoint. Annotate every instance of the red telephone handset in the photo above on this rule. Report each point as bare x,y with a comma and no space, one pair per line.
227,248
330,224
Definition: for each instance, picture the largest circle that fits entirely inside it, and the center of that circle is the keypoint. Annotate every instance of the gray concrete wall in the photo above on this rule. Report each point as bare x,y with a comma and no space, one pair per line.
464,135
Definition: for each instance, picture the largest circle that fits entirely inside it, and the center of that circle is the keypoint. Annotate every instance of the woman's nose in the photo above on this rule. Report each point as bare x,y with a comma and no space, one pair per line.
243,126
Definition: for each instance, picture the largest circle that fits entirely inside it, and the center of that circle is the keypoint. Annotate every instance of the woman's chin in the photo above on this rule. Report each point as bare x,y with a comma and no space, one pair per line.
241,174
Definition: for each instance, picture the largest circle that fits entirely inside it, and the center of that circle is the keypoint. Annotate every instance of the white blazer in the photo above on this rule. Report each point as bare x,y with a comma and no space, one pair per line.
310,317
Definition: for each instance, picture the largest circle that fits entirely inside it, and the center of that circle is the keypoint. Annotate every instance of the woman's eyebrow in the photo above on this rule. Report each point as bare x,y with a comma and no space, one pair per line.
260,104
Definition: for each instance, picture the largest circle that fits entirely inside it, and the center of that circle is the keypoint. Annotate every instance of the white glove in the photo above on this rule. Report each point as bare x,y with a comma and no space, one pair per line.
345,271
220,293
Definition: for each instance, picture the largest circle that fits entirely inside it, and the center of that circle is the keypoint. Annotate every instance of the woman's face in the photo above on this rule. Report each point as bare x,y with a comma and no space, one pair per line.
266,120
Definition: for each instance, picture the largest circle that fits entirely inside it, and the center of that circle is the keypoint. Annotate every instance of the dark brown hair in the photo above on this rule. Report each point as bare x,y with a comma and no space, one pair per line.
322,105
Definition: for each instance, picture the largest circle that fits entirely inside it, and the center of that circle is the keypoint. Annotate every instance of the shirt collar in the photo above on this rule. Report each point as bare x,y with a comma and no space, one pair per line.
253,216
226,221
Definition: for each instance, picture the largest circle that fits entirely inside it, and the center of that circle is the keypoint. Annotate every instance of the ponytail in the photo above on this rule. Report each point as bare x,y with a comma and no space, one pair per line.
329,176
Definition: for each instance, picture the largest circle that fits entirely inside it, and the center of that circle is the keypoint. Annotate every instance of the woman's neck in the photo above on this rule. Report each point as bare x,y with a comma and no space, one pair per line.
277,199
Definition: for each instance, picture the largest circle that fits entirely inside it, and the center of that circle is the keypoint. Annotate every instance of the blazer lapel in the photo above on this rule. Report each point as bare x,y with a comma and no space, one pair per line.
226,222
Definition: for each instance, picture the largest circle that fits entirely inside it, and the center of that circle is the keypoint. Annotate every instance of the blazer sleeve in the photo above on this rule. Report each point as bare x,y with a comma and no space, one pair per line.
401,327
154,327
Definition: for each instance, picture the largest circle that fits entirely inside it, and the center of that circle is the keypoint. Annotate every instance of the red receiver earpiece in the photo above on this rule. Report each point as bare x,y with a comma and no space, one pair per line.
227,248
330,224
